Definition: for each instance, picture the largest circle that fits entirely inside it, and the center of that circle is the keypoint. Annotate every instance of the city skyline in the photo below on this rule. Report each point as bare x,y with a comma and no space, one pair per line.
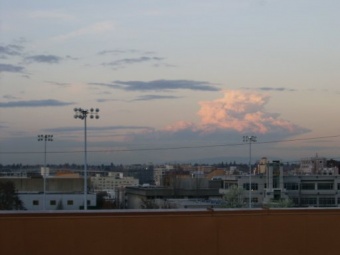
174,80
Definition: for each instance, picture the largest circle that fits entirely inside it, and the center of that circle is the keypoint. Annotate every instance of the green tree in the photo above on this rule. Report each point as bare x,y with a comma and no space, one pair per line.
234,197
282,203
9,199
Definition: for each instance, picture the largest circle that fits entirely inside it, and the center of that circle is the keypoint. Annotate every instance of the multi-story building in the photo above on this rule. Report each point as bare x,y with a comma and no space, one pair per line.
57,192
270,186
112,181
313,165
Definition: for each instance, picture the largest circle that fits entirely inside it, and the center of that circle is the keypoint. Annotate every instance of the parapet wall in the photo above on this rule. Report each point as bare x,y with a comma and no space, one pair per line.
235,232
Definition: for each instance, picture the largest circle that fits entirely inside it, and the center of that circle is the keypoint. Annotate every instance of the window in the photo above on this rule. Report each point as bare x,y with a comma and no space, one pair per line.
35,202
338,186
69,202
326,201
308,201
291,186
254,186
307,186
88,202
325,186
53,202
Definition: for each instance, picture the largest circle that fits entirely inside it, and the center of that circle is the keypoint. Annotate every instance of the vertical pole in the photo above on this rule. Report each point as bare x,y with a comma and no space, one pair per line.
249,173
44,197
85,163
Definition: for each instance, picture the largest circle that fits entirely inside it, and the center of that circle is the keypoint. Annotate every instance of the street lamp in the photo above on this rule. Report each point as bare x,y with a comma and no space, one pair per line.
82,114
249,139
45,138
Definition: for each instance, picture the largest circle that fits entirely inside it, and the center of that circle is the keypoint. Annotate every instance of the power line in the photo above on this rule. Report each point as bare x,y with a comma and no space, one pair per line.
172,148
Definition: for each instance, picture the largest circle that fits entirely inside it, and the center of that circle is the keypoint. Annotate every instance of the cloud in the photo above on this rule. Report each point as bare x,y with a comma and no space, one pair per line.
239,111
154,97
34,103
159,85
51,15
105,128
130,61
275,89
97,28
11,68
127,51
61,84
10,50
278,89
50,59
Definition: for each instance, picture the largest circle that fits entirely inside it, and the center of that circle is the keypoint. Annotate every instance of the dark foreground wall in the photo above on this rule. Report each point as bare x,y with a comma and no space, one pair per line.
272,232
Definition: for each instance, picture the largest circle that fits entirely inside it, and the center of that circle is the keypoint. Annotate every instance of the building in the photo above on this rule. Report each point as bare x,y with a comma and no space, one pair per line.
112,181
60,192
156,197
271,186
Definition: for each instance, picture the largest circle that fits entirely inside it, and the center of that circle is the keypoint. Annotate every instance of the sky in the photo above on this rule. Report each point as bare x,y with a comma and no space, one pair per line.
174,81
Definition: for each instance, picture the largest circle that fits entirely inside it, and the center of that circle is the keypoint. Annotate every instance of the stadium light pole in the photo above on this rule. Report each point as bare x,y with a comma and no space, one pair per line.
249,139
82,114
45,139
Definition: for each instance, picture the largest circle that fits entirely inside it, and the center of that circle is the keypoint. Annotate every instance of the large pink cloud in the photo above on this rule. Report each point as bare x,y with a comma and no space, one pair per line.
240,111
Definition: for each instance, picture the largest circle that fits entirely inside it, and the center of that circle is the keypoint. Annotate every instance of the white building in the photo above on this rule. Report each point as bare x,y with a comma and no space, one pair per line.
113,181
56,201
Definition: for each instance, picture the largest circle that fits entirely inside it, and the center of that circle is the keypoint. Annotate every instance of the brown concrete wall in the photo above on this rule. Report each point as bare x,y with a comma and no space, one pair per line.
256,232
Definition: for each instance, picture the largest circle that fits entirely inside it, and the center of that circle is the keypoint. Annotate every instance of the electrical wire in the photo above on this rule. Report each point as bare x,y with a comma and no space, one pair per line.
171,148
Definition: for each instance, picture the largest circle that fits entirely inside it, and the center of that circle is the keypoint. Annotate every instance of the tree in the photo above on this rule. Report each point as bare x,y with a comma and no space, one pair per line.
234,197
282,203
9,200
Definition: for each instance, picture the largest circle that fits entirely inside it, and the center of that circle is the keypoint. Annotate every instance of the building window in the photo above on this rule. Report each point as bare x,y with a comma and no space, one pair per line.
88,202
69,202
325,186
35,202
307,186
291,186
326,201
254,200
308,201
338,186
53,202
254,186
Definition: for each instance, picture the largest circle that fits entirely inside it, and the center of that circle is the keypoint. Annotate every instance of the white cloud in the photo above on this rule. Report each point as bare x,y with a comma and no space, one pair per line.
97,28
51,15
238,111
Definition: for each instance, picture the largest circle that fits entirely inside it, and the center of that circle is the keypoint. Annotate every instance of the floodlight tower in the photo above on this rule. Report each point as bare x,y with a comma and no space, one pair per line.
249,139
45,138
82,114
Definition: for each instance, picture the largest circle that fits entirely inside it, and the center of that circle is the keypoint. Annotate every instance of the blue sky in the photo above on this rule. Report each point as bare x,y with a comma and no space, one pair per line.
189,75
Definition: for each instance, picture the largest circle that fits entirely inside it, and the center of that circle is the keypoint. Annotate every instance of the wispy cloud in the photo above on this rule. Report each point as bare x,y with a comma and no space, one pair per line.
154,97
61,84
49,59
129,61
34,103
278,89
97,28
126,51
275,89
10,50
11,68
160,85
104,128
51,15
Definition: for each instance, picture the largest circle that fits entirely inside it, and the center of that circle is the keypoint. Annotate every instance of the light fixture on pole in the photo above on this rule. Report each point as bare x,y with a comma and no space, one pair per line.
45,139
249,139
82,114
